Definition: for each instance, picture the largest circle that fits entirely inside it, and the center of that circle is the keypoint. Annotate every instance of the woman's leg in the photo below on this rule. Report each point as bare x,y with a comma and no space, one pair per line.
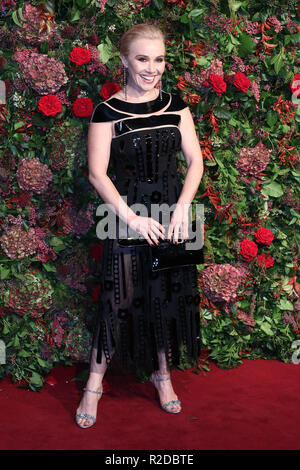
89,401
165,387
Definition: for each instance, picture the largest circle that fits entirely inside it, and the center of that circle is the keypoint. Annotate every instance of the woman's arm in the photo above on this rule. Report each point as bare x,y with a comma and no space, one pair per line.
192,152
99,143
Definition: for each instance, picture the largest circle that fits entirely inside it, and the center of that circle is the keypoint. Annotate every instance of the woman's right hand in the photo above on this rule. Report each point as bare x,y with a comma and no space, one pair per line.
148,227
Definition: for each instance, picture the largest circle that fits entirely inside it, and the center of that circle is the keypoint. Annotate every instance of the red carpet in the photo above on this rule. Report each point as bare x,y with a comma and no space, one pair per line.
252,407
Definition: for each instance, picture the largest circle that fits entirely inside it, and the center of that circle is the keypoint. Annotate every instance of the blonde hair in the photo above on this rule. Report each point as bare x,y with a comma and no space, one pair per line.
137,31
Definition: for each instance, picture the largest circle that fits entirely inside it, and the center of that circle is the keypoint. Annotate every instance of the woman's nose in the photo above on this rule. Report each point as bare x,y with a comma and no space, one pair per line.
151,68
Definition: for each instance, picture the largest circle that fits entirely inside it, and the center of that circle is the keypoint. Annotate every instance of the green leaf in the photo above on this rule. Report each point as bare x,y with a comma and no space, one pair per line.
5,329
203,62
42,362
196,12
221,113
105,52
20,276
278,63
219,162
158,4
76,15
246,46
234,5
24,353
81,3
295,38
285,304
4,272
49,268
18,124
271,118
56,242
233,122
21,14
16,19
266,328
272,189
36,379
234,40
184,18
287,39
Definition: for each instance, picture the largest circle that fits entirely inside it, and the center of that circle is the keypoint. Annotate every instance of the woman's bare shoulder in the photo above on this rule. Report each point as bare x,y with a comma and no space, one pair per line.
118,94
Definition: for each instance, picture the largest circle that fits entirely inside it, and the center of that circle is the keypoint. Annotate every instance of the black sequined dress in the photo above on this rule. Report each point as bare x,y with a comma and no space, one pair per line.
141,312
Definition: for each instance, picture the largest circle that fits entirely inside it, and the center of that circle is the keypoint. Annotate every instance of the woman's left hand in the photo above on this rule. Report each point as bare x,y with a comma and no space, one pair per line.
179,223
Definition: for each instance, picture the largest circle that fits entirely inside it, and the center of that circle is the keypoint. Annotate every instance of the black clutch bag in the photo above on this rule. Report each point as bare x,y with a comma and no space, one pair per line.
168,254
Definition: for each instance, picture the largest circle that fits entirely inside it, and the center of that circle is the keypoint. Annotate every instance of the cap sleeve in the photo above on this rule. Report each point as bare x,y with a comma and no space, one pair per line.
177,103
100,113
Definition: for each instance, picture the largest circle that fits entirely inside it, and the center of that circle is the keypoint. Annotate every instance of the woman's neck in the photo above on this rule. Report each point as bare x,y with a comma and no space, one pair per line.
148,96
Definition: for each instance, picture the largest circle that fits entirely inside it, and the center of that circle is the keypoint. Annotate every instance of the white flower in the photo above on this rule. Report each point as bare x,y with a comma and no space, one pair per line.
78,42
18,100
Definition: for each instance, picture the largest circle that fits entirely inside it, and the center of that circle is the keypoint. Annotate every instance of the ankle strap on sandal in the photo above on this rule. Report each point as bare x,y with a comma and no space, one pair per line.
161,377
92,391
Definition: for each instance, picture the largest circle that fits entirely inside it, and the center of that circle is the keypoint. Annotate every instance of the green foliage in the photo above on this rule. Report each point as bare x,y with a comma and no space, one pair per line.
224,36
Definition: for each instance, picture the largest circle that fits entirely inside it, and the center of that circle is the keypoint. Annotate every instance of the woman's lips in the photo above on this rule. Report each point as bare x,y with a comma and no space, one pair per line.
152,78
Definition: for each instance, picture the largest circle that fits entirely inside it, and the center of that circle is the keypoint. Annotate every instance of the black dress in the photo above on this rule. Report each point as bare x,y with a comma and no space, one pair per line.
141,312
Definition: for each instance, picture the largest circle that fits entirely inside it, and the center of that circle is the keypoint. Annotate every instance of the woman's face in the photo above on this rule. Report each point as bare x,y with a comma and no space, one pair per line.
146,58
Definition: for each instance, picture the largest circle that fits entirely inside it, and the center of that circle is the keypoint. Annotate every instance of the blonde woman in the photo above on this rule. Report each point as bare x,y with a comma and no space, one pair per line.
145,318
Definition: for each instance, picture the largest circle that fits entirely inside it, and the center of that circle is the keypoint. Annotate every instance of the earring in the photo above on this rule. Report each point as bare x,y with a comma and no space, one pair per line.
160,90
125,81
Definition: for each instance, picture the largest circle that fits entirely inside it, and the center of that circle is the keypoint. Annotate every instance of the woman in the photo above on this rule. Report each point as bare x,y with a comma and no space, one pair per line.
145,318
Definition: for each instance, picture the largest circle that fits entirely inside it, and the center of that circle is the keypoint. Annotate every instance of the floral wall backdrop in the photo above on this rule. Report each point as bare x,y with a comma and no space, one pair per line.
235,63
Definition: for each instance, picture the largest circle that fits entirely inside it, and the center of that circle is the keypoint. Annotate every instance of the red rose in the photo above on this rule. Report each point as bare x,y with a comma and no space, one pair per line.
49,105
248,249
295,85
109,89
80,56
96,252
264,235
241,82
83,107
217,83
265,261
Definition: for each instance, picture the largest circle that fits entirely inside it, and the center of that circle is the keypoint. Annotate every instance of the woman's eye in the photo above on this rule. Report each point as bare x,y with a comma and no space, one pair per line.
143,58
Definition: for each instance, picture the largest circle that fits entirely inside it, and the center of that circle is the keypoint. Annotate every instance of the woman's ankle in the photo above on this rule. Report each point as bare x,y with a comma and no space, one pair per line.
95,381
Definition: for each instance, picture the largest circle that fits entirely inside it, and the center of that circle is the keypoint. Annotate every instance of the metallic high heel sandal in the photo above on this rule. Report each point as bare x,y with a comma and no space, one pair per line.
154,378
86,415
